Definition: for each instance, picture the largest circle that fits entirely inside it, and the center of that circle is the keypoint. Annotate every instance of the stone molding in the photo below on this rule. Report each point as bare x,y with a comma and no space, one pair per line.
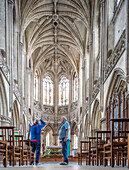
115,56
74,106
3,66
5,118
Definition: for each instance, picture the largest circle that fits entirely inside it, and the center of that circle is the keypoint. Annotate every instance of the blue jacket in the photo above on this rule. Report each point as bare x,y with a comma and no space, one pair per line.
35,131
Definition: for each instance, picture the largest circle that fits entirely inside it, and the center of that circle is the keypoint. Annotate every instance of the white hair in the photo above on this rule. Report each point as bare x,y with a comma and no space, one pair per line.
64,117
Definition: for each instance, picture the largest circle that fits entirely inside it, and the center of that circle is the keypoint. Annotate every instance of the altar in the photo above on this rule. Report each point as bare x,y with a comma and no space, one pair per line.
53,151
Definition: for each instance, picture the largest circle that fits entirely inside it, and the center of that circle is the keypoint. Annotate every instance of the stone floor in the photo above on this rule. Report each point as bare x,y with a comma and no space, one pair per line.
53,166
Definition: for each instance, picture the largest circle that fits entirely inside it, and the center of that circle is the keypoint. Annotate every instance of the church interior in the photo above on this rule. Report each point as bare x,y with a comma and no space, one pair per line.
65,58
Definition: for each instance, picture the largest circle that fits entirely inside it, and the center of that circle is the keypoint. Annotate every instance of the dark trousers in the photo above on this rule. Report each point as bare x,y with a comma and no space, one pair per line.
36,147
65,150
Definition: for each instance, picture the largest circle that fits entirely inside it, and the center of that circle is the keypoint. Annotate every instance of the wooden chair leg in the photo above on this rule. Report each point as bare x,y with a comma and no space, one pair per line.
117,159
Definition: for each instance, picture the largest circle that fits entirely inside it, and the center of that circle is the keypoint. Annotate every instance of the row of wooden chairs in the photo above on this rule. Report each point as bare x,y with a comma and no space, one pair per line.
14,148
105,148
110,146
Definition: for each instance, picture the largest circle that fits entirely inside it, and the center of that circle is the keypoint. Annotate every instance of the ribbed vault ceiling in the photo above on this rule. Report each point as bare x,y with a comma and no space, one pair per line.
55,33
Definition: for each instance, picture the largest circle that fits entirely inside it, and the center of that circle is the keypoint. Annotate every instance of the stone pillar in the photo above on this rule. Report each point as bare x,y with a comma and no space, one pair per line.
70,93
56,95
127,43
2,24
90,77
20,85
42,142
83,95
41,90
103,51
7,42
10,53
72,138
55,139
32,92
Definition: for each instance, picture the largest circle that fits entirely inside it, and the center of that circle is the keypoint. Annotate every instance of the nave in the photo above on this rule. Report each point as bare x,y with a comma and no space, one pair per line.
65,58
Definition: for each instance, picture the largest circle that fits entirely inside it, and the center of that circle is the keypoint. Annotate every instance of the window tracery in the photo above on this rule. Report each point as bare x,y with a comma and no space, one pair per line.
63,91
47,91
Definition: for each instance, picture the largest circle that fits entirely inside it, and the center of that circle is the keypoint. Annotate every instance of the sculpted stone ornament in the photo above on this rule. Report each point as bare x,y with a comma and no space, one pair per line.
63,110
5,118
48,110
3,65
115,55
74,106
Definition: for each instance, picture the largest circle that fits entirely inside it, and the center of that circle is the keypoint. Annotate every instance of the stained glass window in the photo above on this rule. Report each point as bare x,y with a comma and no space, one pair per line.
36,81
75,92
47,91
63,91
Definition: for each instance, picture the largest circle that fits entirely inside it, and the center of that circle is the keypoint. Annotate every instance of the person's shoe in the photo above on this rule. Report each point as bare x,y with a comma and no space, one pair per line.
63,163
38,164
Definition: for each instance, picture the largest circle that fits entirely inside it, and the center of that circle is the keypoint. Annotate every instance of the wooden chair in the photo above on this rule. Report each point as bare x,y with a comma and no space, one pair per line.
27,154
98,152
117,147
92,153
18,148
117,118
9,154
4,152
84,152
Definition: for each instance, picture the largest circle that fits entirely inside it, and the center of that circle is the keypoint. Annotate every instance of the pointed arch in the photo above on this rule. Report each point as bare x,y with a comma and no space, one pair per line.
3,98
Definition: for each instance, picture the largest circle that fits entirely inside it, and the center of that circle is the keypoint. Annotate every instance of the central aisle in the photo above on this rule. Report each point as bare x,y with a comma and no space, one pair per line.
57,167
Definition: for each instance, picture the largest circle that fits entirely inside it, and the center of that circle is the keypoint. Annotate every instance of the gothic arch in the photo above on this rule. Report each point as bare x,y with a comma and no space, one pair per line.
16,115
73,125
86,133
47,129
24,127
3,96
118,78
96,116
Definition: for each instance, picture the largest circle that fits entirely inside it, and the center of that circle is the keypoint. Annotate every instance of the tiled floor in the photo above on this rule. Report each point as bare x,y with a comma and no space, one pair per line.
56,166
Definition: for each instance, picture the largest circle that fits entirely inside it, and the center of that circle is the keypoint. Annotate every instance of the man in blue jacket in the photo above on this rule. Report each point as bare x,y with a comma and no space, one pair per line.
35,131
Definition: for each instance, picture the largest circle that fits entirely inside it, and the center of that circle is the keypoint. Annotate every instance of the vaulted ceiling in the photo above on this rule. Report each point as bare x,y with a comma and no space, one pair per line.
55,33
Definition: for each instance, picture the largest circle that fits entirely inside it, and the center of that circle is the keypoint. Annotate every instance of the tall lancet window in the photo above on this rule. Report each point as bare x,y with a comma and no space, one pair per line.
47,91
75,89
63,91
36,83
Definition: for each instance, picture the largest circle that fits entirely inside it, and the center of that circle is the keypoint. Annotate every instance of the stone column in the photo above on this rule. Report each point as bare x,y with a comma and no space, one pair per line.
2,24
20,85
55,139
127,43
103,49
83,95
41,91
90,76
7,42
72,147
70,93
32,92
56,95
42,133
10,53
